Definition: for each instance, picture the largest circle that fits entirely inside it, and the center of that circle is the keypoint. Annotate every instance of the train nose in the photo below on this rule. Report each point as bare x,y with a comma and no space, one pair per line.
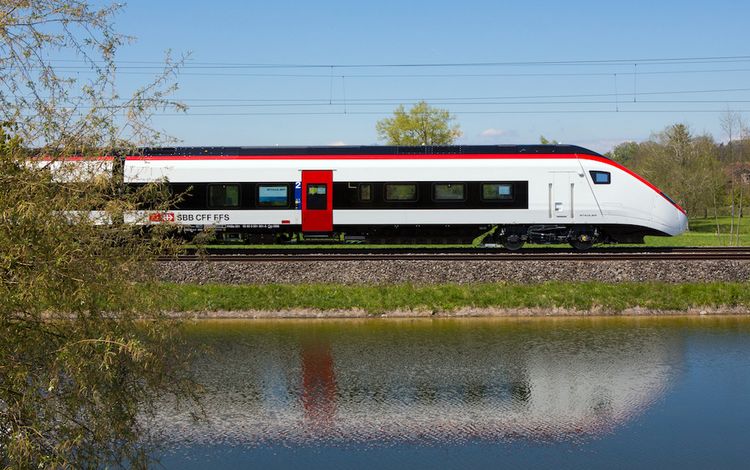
682,222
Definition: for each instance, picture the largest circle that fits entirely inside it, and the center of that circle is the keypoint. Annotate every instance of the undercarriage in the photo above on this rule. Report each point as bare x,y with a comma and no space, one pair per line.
512,237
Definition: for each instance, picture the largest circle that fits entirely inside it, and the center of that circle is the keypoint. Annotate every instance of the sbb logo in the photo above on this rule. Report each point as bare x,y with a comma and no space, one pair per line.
161,217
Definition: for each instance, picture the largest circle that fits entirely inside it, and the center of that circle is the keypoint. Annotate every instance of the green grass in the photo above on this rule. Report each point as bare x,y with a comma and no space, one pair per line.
703,232
379,299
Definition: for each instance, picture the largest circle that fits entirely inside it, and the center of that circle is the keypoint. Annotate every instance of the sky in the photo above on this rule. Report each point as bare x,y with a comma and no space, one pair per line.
591,73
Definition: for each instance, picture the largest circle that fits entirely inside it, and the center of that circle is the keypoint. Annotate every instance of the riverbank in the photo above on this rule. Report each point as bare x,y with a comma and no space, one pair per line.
460,313
454,300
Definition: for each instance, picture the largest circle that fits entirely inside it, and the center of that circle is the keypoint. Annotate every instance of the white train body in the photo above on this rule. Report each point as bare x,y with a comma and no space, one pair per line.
547,188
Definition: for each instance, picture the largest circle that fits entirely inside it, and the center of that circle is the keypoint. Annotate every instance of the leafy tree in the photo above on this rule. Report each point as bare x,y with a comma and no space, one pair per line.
420,125
85,353
684,166
54,107
545,141
625,153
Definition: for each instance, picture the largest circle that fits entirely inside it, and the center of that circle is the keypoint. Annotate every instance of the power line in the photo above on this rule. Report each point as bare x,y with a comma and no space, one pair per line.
450,100
473,103
461,112
461,98
527,100
427,75
662,60
383,113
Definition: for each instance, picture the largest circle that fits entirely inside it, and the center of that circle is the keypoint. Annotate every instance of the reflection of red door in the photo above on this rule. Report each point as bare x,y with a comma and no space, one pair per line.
317,200
318,383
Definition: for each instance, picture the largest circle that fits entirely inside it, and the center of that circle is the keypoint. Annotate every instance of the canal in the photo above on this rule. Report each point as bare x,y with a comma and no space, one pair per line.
462,393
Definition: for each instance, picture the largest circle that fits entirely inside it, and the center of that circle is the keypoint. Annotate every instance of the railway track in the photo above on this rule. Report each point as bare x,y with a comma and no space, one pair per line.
466,254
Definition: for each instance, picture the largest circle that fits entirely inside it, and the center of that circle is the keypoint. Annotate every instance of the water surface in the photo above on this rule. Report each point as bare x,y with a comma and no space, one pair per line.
457,393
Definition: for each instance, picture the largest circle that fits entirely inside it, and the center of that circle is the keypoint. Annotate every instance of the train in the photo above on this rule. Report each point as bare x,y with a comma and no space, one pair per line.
503,195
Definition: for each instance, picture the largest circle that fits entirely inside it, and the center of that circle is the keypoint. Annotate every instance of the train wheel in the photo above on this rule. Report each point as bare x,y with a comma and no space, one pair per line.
513,242
582,242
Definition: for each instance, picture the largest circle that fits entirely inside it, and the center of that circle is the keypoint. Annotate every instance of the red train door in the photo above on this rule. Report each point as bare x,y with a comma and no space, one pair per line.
317,200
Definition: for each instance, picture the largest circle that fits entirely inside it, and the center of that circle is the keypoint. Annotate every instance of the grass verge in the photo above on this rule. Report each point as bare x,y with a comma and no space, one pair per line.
450,297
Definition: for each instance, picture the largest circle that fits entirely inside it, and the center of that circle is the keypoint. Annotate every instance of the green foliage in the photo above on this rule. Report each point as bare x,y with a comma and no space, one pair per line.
59,109
684,166
708,179
84,352
545,141
420,125
624,153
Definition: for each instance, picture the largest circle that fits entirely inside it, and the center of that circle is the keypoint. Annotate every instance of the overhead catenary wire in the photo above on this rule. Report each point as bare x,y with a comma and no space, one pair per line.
589,62
471,99
424,75
385,113
532,103
457,112
345,103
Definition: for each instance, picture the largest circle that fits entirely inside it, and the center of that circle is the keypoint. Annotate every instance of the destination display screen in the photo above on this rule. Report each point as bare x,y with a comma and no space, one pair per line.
273,195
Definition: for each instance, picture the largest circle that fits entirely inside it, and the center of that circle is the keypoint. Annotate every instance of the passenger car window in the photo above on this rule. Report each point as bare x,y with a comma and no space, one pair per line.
365,192
223,195
273,195
601,177
449,191
317,197
497,191
400,192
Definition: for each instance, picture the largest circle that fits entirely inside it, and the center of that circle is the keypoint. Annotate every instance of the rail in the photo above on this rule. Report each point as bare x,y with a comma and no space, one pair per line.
464,254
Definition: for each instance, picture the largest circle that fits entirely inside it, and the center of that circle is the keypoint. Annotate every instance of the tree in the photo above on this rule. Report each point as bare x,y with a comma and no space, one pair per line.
683,165
420,125
53,106
84,351
734,128
545,141
625,153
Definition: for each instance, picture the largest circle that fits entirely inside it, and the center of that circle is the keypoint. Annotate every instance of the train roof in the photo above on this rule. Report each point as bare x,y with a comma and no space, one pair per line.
369,150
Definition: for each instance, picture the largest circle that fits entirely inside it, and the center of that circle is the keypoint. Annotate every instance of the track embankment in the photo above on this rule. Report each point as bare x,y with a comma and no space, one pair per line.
362,268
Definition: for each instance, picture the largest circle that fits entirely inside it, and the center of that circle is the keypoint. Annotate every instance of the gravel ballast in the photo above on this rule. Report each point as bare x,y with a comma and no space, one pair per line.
456,272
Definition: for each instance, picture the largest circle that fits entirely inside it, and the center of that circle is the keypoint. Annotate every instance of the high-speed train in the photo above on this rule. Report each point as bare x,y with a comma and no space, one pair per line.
385,194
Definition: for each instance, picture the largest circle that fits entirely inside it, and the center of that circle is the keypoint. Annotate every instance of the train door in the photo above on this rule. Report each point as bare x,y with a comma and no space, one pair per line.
317,200
561,195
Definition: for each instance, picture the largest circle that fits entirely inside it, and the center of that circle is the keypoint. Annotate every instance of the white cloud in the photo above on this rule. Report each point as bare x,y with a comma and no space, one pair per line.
492,132
497,134
337,143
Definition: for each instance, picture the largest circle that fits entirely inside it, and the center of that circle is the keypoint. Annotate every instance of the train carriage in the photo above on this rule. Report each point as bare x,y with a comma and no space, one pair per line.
537,193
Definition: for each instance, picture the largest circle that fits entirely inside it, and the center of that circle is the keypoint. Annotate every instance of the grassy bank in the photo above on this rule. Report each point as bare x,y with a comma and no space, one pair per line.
444,298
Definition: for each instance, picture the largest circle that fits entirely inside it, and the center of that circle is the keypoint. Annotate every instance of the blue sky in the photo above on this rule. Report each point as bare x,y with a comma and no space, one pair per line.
493,104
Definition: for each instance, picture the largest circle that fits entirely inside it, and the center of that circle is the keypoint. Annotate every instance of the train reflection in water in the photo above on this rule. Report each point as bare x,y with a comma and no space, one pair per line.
403,381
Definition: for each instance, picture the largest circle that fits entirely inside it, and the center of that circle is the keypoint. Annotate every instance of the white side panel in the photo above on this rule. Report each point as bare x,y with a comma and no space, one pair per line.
562,195
77,170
